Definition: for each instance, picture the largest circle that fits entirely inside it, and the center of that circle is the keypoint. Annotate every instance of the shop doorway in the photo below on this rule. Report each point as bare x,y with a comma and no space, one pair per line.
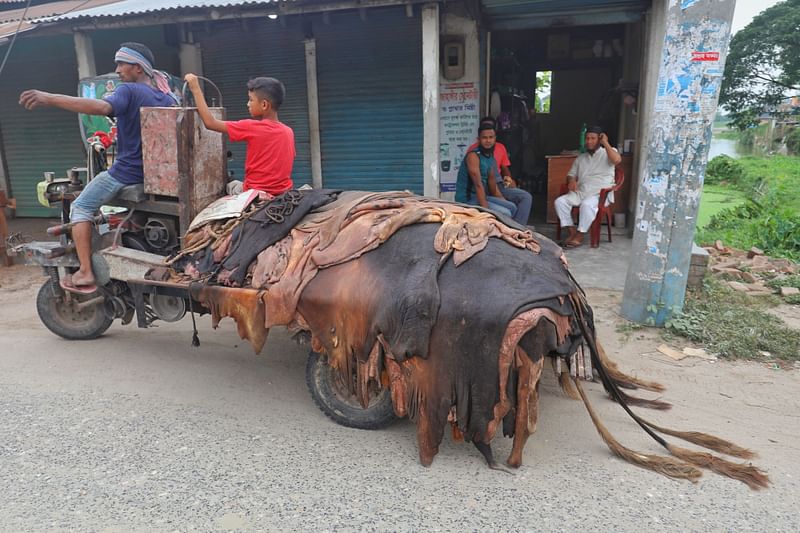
546,85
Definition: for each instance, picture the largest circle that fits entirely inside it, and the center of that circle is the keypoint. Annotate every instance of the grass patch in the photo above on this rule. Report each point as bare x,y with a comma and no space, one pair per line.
764,208
775,171
730,135
627,329
715,199
733,324
785,281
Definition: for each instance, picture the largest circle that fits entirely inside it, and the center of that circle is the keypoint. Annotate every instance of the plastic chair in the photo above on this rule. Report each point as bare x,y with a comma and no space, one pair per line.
604,211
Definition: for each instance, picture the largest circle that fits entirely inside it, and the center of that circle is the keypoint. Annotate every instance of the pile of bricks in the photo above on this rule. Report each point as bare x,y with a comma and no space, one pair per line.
743,270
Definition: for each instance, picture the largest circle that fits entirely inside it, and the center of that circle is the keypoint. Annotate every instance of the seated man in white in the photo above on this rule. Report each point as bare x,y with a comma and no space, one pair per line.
591,172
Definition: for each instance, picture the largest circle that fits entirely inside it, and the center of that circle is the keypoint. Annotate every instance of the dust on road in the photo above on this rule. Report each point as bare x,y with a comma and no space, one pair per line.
138,431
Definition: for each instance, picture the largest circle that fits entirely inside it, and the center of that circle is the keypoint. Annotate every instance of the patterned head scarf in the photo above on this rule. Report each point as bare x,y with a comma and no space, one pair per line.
158,78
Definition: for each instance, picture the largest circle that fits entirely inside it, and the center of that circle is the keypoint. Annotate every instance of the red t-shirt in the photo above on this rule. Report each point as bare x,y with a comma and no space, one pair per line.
500,155
270,154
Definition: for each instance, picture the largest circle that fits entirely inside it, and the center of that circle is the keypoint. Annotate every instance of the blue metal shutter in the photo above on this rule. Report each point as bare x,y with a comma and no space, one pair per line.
370,91
234,53
44,139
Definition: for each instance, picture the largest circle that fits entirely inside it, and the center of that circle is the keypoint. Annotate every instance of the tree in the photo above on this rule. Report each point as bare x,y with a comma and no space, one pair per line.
544,81
763,65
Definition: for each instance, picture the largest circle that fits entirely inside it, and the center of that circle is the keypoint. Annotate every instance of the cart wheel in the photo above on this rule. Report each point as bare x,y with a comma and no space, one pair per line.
62,317
333,398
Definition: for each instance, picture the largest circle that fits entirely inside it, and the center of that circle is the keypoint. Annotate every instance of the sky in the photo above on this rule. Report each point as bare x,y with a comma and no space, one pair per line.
747,9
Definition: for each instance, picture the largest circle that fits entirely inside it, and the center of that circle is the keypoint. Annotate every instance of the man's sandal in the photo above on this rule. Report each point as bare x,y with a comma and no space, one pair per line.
67,285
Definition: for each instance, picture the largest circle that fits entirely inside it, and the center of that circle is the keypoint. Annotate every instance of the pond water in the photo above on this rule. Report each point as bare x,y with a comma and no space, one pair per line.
722,146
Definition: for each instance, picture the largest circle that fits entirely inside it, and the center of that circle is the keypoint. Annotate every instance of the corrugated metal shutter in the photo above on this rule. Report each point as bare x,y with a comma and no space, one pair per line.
44,139
370,87
106,43
234,54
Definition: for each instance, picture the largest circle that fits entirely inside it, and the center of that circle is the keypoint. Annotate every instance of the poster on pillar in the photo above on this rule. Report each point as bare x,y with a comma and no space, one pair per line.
458,126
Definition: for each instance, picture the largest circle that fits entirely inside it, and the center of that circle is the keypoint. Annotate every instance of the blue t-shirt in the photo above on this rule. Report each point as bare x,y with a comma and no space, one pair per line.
126,100
465,190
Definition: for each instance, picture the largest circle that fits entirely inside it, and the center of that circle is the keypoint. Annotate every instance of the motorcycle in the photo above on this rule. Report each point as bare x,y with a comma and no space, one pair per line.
130,237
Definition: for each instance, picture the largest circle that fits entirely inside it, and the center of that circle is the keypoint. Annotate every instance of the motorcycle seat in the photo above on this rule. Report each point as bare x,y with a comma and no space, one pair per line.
132,193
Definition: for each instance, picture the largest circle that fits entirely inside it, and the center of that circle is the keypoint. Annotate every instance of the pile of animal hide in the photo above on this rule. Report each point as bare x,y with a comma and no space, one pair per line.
453,308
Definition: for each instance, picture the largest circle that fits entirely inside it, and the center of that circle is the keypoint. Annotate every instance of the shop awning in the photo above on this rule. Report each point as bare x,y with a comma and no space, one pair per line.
525,14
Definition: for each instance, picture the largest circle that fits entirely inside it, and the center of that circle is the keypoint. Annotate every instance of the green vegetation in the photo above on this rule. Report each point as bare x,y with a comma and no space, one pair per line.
627,329
786,281
762,65
544,82
724,169
793,142
733,324
715,199
731,135
768,217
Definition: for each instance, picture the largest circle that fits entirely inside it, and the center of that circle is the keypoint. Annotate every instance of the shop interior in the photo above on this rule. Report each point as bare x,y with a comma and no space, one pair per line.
549,84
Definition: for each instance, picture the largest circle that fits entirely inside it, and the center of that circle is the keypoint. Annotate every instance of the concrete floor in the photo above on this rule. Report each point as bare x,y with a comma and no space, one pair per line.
604,267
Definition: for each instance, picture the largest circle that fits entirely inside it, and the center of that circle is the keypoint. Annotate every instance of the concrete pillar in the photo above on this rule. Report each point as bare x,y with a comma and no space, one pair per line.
313,113
487,83
680,111
84,53
5,184
190,56
430,98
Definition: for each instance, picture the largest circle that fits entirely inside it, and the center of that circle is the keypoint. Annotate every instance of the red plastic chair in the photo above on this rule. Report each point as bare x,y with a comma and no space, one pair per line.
604,211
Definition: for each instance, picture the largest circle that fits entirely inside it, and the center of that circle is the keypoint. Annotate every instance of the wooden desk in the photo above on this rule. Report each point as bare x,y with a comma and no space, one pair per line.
557,168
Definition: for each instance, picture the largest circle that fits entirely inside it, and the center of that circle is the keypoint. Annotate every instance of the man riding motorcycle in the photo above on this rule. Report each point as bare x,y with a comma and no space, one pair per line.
142,86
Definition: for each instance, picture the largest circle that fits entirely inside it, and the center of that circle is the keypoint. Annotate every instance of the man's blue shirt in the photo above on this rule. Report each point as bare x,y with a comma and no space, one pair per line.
126,100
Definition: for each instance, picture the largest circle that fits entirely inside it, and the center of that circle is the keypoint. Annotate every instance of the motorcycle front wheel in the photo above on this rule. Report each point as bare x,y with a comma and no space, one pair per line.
63,316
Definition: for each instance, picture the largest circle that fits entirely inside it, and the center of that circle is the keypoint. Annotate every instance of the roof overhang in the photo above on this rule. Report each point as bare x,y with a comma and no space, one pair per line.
529,14
19,20
134,13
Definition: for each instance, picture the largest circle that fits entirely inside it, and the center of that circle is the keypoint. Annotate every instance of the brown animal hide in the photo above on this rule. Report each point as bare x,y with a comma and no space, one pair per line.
445,354
453,310
245,306
357,223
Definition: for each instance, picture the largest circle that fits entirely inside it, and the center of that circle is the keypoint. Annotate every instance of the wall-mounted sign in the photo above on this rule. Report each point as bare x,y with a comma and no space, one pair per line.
458,129
705,56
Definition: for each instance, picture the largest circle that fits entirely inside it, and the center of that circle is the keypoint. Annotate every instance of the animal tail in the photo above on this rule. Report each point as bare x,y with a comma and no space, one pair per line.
657,463
706,441
623,380
754,477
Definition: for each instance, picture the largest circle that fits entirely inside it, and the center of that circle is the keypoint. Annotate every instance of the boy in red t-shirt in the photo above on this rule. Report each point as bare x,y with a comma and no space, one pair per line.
270,143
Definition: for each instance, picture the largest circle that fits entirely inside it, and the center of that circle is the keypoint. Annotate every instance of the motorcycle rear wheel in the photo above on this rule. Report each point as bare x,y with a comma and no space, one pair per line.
62,317
333,399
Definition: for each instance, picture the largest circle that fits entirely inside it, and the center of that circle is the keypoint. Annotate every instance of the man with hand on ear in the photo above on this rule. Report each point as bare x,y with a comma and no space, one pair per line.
591,172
